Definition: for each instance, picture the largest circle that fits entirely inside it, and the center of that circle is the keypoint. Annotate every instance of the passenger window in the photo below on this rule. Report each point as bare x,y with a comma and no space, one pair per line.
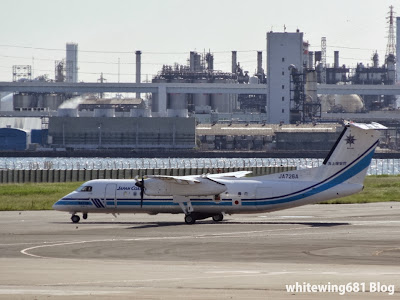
239,193
245,193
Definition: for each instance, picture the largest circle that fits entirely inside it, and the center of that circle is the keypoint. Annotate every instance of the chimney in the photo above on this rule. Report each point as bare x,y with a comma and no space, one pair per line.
138,69
259,62
336,62
234,61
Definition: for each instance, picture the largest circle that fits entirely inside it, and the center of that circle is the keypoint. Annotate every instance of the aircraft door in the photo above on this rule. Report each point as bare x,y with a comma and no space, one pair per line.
110,196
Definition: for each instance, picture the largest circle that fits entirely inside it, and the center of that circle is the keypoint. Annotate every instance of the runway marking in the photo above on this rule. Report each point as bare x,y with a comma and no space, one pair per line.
13,291
223,274
377,253
156,279
32,243
233,272
214,235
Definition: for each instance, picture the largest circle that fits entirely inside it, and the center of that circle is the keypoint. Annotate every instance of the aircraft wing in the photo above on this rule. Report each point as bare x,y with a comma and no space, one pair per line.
237,174
196,185
176,179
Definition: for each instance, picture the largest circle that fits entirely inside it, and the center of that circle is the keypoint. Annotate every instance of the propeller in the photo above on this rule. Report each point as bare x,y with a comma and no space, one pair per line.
140,184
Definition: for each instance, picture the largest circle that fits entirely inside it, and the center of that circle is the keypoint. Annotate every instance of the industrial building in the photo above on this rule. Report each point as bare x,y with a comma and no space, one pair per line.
14,139
257,137
284,50
21,133
225,119
121,133
200,70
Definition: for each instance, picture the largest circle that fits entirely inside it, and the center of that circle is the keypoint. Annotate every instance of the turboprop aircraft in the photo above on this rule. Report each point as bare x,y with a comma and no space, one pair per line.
214,195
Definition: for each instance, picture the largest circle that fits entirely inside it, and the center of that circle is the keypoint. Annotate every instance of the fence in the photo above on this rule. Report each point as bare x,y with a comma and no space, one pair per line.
57,175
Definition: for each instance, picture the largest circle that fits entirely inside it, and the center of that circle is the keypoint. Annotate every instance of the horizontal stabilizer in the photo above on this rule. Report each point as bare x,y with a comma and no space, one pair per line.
373,125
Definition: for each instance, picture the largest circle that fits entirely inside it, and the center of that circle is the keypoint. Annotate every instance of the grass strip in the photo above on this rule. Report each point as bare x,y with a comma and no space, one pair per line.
41,196
377,188
33,196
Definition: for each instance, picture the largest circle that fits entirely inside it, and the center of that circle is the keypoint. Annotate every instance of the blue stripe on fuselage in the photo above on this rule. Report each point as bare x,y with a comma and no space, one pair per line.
319,187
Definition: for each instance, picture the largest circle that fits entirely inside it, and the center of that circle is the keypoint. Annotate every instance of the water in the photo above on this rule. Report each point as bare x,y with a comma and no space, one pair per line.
377,167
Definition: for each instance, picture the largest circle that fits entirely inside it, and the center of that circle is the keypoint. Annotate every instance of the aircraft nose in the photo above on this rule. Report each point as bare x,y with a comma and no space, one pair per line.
55,205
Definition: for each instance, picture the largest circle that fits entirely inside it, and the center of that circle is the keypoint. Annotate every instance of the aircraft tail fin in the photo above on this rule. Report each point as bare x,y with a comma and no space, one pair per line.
351,155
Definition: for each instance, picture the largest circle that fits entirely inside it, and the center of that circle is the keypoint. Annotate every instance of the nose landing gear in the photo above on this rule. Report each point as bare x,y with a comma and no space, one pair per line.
75,218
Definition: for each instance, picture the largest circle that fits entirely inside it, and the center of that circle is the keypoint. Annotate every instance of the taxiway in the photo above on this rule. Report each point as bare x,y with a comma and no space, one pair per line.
45,256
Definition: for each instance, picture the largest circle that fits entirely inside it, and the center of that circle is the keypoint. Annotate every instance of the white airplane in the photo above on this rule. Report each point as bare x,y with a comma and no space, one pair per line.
214,195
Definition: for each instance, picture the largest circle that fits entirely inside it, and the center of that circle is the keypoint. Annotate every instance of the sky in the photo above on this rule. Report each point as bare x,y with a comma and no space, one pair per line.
107,32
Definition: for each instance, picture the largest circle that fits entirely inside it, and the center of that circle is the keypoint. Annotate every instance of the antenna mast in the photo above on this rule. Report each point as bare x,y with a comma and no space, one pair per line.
391,44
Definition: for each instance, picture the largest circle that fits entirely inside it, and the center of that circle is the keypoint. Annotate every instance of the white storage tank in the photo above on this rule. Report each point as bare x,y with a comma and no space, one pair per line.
350,103
221,102
177,100
52,101
155,102
201,99
24,101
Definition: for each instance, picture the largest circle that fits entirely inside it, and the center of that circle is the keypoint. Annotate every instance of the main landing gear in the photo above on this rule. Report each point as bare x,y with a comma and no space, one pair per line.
192,217
218,218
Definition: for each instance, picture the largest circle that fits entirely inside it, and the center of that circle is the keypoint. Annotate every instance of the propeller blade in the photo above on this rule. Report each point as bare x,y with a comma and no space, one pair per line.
140,184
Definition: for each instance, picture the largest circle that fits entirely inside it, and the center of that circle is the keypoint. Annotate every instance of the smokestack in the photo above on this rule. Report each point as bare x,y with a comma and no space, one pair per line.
234,61
311,60
398,49
192,62
375,60
336,62
138,69
259,62
210,61
72,62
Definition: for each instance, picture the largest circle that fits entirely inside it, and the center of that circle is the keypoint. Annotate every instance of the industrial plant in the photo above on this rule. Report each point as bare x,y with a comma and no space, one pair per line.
284,105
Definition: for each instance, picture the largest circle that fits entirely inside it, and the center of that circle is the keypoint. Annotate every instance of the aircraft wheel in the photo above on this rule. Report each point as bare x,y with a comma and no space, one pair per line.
84,216
190,219
218,218
75,218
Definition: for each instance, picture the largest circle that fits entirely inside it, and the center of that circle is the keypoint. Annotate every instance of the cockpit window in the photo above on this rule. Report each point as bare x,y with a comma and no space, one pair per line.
85,188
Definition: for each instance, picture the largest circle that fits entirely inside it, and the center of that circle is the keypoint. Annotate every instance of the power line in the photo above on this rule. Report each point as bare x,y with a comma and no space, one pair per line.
83,61
349,48
120,52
